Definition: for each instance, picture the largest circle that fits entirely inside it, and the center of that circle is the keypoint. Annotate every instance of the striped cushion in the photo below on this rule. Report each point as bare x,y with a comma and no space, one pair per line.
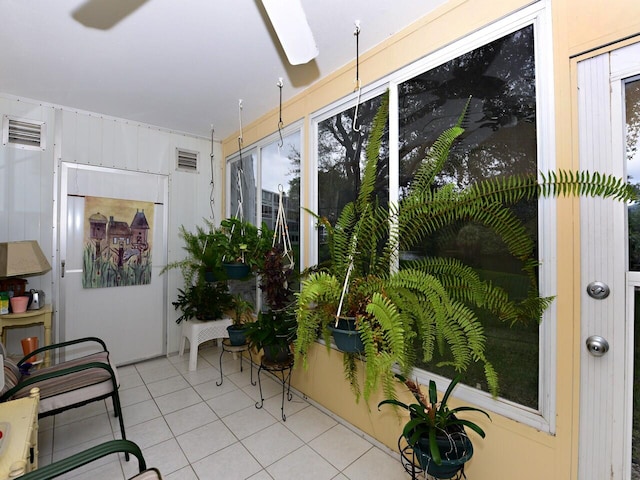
11,375
72,382
149,474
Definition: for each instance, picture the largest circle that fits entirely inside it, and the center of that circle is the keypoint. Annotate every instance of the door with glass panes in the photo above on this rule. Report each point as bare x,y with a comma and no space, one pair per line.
609,141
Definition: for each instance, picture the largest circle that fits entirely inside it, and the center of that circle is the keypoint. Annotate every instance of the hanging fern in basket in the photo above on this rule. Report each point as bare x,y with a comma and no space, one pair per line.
434,301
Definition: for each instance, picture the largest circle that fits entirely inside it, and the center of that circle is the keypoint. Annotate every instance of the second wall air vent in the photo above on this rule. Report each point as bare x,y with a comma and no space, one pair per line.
22,133
187,160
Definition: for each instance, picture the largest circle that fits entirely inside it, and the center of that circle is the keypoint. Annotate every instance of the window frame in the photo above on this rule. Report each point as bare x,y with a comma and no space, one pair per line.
542,418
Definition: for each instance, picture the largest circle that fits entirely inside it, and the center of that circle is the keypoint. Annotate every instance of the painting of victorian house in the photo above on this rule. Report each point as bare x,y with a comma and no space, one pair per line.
117,248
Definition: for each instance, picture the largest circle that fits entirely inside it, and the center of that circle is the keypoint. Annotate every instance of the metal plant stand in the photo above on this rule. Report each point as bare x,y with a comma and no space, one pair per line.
412,466
227,347
282,371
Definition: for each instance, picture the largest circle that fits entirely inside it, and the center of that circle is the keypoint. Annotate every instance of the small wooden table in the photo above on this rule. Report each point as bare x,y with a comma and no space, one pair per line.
20,454
41,316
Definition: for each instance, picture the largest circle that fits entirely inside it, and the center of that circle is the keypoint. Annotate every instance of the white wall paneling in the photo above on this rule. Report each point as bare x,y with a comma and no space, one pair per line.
26,192
30,182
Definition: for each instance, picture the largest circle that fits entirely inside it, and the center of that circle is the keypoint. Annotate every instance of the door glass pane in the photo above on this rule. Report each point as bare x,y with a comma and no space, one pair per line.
632,134
635,445
499,140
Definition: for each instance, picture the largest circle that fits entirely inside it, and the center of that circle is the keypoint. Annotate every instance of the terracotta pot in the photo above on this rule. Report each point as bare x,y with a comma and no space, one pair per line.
19,303
29,344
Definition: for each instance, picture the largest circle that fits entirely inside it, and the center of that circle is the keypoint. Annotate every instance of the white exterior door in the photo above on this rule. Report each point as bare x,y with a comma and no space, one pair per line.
609,122
131,320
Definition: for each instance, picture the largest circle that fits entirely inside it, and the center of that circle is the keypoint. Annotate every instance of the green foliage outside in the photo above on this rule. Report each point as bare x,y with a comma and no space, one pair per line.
513,350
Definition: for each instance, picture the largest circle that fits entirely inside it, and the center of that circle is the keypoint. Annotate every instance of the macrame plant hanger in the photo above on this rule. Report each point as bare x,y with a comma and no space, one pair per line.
281,232
281,229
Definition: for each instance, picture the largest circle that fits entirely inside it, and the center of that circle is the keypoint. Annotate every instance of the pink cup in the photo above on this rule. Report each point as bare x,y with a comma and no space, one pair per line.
19,303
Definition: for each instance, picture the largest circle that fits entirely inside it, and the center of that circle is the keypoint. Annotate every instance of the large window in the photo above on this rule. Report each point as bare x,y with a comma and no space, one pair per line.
498,80
271,166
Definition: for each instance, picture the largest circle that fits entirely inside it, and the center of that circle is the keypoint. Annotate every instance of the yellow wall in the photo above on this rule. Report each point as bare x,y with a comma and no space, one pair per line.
579,28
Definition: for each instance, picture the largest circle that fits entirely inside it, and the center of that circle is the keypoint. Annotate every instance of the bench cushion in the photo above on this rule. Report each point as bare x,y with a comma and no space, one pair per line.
74,388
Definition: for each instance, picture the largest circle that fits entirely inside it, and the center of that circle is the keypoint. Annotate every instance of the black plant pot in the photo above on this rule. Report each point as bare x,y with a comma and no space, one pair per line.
237,335
236,271
276,353
210,276
455,450
346,336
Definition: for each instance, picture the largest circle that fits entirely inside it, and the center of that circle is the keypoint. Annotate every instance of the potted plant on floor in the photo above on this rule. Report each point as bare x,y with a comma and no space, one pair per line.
241,318
435,432
433,301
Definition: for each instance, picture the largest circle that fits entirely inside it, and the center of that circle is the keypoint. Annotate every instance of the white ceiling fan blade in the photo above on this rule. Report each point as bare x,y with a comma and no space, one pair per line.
104,14
291,26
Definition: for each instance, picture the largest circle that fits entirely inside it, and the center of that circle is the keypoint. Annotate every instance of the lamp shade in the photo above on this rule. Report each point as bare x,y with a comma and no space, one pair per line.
21,259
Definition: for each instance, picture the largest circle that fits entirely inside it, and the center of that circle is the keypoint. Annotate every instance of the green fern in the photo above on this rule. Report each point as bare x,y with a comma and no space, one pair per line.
351,373
319,289
435,301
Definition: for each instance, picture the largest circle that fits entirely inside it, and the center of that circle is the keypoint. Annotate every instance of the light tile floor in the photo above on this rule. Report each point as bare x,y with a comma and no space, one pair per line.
190,428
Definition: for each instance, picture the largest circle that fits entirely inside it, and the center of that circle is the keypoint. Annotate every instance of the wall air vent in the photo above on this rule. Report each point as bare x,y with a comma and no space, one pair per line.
187,160
23,133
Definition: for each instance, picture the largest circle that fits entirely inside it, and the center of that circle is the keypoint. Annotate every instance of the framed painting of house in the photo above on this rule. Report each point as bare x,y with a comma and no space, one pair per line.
117,242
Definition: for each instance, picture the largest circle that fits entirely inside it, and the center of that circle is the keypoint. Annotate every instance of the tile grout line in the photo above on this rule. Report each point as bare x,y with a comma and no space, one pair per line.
179,366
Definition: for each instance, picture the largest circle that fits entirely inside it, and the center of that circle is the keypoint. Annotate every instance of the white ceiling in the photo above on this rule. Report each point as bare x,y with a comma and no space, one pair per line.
180,64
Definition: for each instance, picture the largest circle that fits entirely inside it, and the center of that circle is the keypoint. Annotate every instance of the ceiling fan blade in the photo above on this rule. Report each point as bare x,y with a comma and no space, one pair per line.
291,26
104,14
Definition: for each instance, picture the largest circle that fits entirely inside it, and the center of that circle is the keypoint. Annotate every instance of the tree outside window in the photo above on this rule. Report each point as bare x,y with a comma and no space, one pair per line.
499,140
